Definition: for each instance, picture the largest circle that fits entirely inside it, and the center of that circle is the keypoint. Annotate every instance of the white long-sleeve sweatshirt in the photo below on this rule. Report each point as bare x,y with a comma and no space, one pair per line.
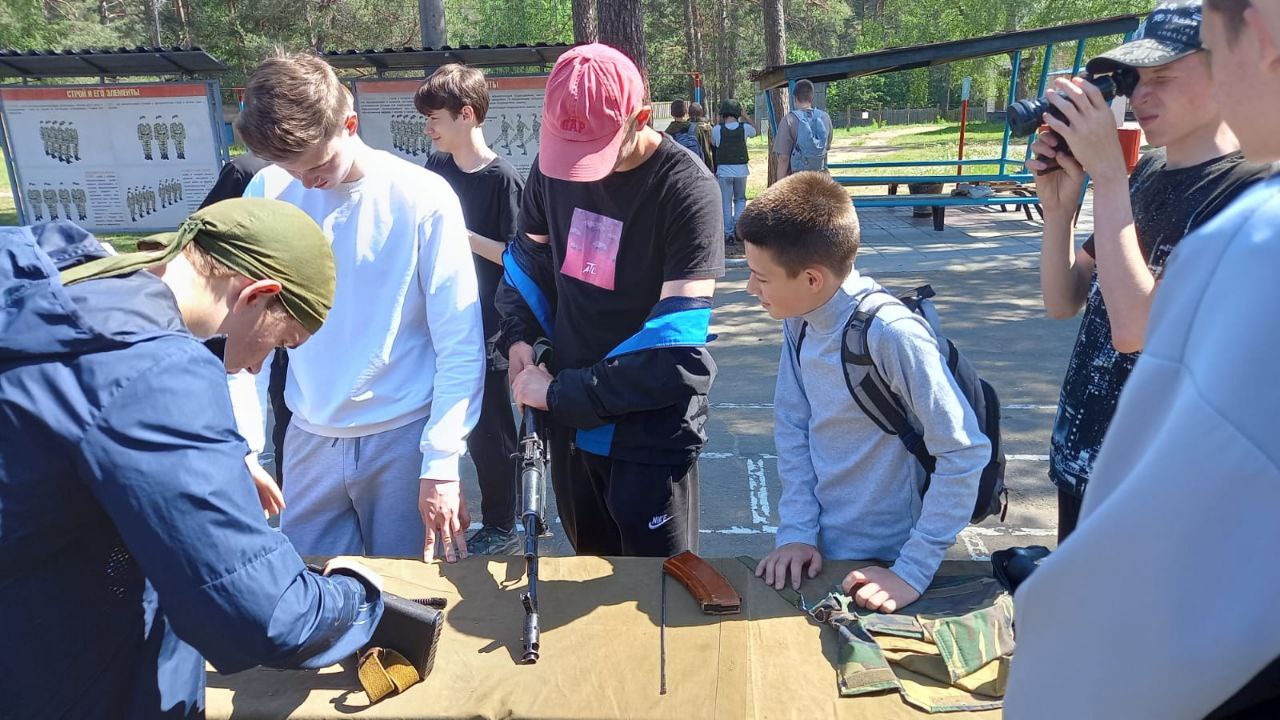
404,339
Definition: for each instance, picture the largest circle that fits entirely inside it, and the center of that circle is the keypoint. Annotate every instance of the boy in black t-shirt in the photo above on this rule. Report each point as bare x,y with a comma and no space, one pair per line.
1195,172
616,264
455,100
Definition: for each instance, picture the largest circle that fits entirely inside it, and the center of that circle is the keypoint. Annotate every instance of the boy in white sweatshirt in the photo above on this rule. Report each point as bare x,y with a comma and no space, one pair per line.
384,397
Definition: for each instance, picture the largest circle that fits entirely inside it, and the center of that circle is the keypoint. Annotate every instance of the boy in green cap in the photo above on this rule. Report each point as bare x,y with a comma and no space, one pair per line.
132,547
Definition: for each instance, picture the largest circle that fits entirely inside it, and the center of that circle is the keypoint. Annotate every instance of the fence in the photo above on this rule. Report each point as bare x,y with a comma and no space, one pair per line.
854,117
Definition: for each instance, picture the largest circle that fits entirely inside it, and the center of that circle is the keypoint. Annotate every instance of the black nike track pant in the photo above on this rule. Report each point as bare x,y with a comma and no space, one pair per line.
616,507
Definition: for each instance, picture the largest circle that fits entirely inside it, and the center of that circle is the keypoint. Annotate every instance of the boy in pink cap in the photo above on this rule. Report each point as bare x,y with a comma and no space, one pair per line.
616,261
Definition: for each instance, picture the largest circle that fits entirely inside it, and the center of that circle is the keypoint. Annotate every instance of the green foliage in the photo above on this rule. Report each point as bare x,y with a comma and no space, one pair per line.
242,32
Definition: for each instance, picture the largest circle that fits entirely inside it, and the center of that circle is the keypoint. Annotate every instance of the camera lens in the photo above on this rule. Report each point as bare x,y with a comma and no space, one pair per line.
1026,116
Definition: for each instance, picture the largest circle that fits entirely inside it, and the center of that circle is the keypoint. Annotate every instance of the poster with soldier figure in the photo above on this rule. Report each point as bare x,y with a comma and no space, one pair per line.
144,138
81,201
114,157
178,132
161,132
51,201
34,203
389,121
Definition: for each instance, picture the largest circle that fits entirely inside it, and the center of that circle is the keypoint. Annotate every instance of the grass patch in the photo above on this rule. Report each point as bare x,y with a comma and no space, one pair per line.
903,143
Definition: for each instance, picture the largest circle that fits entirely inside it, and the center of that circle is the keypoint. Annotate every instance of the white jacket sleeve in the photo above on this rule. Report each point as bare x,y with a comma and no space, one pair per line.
248,401
453,319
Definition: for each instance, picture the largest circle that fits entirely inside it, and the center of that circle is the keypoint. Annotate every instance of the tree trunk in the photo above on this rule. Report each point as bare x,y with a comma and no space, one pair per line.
431,18
775,54
622,26
586,21
726,51
692,36
182,19
154,7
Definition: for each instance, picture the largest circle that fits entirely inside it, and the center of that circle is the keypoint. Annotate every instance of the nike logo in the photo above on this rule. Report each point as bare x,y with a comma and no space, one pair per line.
658,521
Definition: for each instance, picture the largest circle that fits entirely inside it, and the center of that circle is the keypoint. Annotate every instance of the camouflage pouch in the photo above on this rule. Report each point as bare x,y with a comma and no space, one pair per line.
952,654
861,667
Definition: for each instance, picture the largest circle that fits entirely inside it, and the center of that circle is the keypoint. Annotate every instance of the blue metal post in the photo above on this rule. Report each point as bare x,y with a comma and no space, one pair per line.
773,118
224,147
1079,63
11,164
1013,97
1044,83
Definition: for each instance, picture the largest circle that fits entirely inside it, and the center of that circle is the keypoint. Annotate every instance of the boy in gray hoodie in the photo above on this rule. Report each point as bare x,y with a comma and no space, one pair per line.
851,491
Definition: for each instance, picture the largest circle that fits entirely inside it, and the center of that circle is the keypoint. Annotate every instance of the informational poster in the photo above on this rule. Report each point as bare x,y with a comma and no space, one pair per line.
117,158
389,120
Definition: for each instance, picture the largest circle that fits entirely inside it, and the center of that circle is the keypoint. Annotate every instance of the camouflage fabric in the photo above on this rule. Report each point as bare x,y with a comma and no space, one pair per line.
950,654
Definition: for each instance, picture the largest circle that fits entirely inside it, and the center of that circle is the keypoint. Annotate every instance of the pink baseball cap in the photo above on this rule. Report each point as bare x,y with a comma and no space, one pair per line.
592,91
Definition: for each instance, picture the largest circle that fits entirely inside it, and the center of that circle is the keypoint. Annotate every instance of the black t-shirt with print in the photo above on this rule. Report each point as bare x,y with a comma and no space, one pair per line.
490,200
1167,205
614,242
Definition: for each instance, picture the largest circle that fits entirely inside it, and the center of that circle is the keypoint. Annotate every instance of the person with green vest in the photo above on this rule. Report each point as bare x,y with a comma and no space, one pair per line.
730,140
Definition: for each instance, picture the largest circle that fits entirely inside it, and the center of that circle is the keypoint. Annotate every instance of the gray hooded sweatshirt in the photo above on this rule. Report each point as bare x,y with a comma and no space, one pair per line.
849,488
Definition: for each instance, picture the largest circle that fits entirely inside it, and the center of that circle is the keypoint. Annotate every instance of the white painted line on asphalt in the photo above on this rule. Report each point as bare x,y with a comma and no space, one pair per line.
730,456
973,543
769,406
742,406
739,530
759,492
1029,458
1011,531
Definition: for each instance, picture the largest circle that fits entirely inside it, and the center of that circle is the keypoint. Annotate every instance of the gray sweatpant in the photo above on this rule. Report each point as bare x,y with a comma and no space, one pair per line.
354,496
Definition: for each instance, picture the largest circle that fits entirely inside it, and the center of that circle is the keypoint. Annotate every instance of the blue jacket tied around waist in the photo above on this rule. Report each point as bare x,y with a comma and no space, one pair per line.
132,542
646,400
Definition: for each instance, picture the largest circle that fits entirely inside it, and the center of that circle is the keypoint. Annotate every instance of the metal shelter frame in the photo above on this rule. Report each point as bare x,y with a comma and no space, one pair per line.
422,59
942,53
102,63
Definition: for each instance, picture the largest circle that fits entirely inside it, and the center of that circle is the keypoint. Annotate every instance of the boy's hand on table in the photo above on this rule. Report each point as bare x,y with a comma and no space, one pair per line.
794,557
880,590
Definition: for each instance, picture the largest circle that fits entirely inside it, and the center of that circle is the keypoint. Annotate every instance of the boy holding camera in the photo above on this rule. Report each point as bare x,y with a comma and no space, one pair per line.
1195,170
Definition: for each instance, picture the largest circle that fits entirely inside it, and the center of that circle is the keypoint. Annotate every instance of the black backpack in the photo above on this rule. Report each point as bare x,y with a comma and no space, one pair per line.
874,396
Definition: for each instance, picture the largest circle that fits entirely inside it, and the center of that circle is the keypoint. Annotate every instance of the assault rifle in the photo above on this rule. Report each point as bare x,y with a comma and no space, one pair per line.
533,457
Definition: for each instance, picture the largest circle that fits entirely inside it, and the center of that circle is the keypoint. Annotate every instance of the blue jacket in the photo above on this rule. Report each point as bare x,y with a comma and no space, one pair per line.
646,400
131,539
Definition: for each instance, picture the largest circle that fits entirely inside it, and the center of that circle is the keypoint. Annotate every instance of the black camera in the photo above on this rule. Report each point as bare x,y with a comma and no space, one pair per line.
1026,116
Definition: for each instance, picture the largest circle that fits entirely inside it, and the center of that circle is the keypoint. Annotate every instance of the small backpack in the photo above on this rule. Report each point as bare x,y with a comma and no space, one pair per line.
810,150
689,139
874,396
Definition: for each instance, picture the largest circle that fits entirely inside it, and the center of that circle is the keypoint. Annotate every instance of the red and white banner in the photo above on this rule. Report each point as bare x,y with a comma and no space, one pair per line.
112,157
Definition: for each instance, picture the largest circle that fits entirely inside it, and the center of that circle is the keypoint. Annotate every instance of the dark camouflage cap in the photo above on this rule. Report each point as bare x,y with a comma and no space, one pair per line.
1170,32
258,238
